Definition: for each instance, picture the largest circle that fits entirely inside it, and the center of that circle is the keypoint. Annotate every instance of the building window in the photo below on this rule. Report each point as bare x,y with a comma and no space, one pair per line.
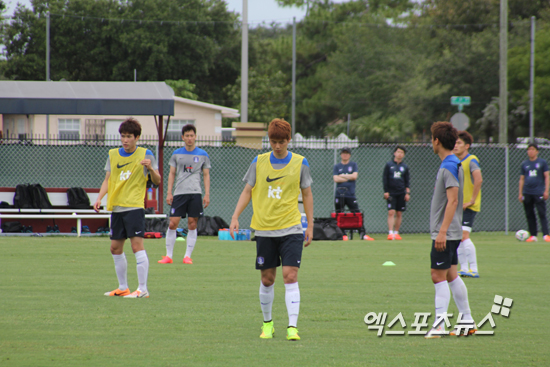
69,129
174,129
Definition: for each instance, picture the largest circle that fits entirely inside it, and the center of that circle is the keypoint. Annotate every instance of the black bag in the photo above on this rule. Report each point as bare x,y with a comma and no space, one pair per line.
326,229
220,222
4,205
10,227
207,226
40,199
77,198
155,224
22,198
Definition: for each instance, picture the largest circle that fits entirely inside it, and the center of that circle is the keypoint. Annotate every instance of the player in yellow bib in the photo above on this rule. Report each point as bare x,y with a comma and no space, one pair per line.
273,183
471,206
125,181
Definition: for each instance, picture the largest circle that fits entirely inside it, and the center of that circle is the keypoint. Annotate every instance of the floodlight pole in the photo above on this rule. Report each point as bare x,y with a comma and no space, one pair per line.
532,85
293,77
48,72
244,64
503,77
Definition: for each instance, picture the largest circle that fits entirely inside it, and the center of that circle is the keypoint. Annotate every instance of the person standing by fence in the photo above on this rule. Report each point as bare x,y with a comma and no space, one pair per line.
397,192
533,191
345,174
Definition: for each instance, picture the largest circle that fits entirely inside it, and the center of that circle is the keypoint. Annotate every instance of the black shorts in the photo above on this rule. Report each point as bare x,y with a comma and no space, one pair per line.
187,205
341,202
444,259
272,251
468,217
397,202
128,224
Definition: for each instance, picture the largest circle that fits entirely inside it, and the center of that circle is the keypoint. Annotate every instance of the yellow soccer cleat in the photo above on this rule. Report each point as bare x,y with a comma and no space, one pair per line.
292,333
267,330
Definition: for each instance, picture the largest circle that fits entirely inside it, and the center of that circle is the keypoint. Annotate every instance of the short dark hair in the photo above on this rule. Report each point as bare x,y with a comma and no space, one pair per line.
400,147
446,134
188,127
279,129
533,145
466,137
130,126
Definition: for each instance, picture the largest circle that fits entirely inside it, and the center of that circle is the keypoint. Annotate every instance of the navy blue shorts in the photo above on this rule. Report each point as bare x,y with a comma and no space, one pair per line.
128,224
446,258
468,217
272,251
397,202
187,205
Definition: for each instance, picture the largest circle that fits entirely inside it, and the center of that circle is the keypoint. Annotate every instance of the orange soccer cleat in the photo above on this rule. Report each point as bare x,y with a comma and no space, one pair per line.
118,292
165,260
187,260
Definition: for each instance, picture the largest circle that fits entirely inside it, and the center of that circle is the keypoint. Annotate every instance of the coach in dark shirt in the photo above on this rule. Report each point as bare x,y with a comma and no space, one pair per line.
345,175
533,191
396,190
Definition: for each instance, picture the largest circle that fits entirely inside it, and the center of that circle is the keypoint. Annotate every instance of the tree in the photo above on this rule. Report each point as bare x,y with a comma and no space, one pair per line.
182,88
108,39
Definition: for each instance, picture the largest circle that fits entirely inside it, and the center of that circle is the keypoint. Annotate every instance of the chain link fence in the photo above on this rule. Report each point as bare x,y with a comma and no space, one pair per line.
62,164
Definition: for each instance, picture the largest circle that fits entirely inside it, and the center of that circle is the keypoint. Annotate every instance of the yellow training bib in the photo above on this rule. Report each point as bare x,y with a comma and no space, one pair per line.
127,183
469,184
275,194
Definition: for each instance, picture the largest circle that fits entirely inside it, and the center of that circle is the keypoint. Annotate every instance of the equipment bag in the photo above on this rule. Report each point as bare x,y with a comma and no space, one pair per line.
207,226
22,198
40,199
77,198
10,227
326,229
220,222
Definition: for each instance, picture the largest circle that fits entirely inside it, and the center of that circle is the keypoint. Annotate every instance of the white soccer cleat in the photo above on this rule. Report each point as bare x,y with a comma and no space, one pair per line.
138,294
436,333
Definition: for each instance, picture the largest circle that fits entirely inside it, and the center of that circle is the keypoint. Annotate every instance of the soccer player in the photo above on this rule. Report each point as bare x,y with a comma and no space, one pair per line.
446,230
396,190
533,191
471,205
273,182
186,166
345,174
125,181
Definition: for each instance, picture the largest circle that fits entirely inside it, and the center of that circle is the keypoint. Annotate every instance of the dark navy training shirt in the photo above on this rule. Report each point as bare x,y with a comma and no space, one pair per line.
395,178
534,176
340,169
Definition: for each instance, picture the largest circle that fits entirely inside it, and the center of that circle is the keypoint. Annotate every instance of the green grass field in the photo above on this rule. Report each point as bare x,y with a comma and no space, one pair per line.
53,312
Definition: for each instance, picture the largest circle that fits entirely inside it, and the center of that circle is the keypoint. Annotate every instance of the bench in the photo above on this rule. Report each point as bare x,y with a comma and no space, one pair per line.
58,199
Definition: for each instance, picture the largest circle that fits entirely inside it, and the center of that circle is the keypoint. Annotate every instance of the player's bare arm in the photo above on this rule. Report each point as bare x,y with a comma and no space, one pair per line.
478,180
102,191
171,178
450,209
244,199
339,178
521,182
155,175
206,178
351,176
307,197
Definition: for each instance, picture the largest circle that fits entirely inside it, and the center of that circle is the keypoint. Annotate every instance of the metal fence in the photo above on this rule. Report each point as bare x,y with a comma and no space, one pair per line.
62,164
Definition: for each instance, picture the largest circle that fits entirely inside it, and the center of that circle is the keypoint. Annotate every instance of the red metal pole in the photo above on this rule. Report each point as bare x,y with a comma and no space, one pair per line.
161,165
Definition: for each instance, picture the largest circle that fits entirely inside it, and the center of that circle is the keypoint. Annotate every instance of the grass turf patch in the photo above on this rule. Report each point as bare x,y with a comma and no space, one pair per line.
53,312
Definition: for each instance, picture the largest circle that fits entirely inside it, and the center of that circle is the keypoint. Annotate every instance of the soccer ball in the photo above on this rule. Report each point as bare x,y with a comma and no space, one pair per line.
522,235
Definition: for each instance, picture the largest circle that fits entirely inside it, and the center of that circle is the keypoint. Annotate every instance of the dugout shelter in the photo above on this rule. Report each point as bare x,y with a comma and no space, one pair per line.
92,98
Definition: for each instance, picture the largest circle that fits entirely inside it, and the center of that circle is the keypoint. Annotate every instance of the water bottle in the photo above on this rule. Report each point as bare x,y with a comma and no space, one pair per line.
150,194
